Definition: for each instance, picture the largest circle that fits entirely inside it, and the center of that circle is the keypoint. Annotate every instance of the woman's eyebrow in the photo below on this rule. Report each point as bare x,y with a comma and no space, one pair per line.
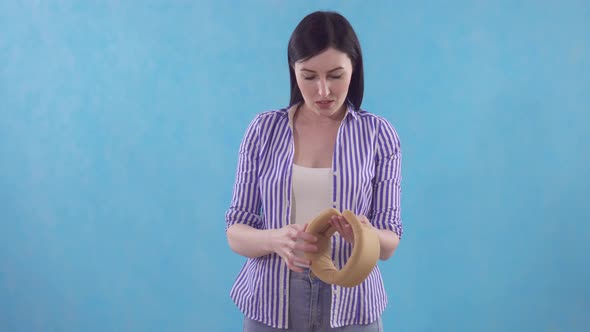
329,71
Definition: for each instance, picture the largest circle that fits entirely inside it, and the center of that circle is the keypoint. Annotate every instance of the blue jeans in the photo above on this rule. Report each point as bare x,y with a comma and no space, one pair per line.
309,309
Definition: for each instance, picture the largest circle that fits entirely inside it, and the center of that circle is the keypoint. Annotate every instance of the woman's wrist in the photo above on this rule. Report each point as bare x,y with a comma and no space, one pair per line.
268,241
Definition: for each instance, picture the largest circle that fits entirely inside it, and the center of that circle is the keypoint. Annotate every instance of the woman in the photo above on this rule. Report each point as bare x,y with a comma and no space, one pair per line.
323,151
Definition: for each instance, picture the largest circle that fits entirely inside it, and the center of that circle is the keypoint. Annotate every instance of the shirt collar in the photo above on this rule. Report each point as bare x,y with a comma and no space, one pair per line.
293,108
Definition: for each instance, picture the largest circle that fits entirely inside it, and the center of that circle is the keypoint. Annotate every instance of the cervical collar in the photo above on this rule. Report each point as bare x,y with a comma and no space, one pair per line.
363,259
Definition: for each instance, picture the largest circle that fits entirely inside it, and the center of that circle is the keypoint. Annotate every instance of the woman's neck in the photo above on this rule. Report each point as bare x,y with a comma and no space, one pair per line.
310,117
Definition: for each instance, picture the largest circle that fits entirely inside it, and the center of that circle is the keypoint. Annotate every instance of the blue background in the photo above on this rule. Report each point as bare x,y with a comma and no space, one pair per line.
120,123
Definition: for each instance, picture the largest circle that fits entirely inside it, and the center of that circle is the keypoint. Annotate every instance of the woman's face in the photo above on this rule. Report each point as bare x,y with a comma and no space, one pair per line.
324,80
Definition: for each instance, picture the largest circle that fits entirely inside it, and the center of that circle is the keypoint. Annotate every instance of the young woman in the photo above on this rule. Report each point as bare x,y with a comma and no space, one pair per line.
322,151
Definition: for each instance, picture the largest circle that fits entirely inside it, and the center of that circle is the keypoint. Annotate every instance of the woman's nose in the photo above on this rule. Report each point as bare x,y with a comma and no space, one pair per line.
323,88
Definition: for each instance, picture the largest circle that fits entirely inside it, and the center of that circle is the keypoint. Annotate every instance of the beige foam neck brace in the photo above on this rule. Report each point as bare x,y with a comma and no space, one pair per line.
362,261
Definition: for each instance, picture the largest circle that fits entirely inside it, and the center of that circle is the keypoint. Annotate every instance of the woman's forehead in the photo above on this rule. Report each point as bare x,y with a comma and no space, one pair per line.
328,60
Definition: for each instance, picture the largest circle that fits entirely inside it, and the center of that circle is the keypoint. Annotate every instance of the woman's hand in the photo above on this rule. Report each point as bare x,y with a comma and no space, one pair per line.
388,240
285,241
343,227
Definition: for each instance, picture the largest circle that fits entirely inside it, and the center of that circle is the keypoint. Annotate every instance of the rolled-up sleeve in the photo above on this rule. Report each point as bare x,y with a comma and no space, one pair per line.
245,202
386,212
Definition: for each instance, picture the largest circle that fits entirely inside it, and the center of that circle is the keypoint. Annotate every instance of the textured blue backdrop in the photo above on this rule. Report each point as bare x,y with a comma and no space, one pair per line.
119,129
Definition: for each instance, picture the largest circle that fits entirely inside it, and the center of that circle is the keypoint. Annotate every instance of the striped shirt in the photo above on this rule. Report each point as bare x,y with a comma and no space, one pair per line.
366,168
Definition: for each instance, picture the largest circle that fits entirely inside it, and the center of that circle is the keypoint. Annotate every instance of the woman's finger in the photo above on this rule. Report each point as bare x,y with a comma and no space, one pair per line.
346,230
290,260
294,267
298,264
335,222
363,219
301,262
294,230
306,247
307,237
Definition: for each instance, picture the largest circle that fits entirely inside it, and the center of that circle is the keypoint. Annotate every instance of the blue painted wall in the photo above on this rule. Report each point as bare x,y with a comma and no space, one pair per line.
120,123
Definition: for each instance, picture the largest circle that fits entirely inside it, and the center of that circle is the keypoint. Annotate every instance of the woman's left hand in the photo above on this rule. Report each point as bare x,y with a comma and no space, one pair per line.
343,227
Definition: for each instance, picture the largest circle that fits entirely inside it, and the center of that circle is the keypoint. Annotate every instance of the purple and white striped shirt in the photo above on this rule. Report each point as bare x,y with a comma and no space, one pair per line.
366,172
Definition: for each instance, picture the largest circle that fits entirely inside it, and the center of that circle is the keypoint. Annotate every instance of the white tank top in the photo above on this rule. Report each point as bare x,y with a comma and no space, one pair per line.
312,193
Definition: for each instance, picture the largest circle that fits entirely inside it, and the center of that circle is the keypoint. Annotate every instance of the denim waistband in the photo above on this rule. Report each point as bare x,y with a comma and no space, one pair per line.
307,274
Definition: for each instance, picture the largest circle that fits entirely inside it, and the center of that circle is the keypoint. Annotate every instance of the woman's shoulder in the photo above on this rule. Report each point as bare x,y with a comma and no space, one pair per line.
381,124
373,117
269,117
272,114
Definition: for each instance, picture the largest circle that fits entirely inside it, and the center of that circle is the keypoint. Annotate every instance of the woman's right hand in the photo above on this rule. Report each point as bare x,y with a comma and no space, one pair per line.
285,241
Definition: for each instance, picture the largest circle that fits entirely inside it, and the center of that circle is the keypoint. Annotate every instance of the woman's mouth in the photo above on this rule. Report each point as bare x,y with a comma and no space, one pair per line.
324,104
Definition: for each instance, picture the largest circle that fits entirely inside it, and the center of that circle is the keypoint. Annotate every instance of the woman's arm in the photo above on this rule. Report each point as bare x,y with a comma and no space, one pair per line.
388,242
385,212
245,230
251,242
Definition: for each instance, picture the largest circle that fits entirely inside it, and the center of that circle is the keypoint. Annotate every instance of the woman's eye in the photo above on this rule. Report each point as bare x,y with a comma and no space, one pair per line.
334,77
